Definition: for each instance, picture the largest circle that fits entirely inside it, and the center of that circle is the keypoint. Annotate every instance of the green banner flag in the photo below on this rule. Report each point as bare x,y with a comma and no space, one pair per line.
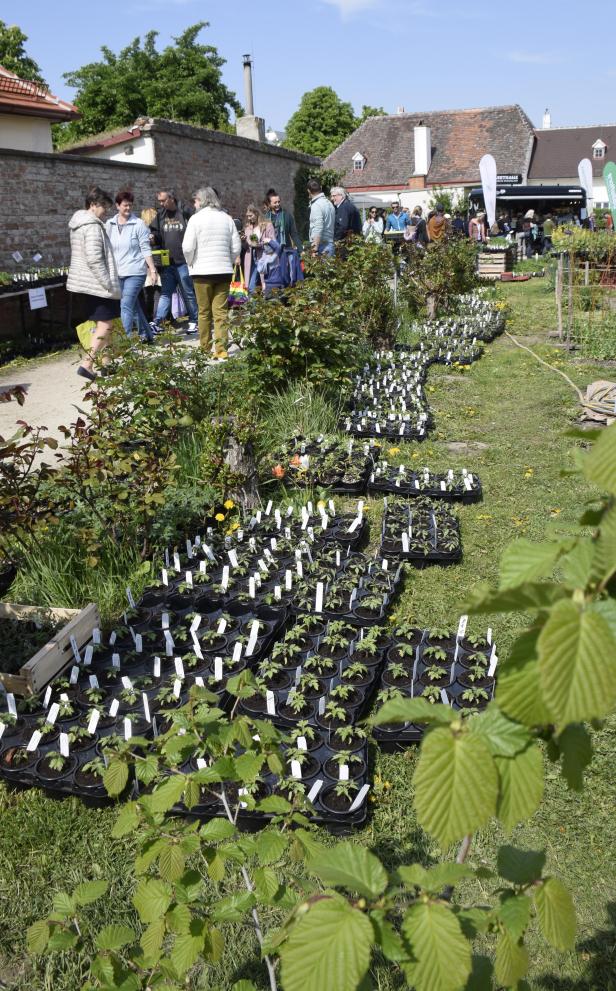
609,175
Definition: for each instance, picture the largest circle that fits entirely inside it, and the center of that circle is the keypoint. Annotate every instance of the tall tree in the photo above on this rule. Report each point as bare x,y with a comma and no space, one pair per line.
182,82
13,54
321,122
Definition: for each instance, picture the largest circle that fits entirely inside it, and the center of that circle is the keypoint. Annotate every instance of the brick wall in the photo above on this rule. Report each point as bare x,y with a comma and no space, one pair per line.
40,192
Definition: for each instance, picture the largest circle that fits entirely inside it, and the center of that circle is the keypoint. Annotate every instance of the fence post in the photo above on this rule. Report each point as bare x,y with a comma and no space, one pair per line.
570,302
559,295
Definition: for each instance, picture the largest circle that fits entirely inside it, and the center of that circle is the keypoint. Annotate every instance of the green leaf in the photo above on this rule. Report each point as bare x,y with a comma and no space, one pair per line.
335,939
114,937
524,560
350,866
233,908
511,960
412,875
171,862
271,844
600,464
520,866
266,884
604,548
473,920
90,891
216,830
244,986
577,564
606,608
168,793
115,777
481,975
520,785
179,919
556,914
446,875
577,659
518,689
514,913
216,867
248,767
416,710
503,736
274,804
62,939
152,898
63,905
152,939
456,784
575,746
127,821
38,936
187,947
442,955
386,938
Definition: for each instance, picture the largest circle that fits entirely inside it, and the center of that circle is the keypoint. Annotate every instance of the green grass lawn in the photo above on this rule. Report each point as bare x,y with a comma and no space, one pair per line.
520,411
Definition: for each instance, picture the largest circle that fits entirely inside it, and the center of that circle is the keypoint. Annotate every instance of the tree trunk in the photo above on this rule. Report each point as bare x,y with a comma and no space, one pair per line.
241,460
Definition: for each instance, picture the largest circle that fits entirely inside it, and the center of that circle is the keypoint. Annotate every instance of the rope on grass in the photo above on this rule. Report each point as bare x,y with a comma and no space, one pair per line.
551,367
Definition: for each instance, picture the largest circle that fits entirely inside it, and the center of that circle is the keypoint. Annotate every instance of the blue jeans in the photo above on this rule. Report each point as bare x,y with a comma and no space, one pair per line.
130,307
326,249
172,276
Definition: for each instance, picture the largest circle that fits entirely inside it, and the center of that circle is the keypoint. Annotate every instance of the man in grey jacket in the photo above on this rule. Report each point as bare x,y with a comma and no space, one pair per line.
322,220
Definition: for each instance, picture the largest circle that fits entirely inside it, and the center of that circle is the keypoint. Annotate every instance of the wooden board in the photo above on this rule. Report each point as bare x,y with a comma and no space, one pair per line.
57,654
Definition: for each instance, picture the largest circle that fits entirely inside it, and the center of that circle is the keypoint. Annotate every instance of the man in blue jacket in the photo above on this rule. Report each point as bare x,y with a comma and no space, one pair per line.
397,219
348,220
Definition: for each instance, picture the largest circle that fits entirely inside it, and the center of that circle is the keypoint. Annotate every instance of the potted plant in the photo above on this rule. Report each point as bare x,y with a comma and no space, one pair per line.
337,799
351,759
54,766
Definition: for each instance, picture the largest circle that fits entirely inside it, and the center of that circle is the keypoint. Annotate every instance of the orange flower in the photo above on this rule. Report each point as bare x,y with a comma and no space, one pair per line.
278,471
295,461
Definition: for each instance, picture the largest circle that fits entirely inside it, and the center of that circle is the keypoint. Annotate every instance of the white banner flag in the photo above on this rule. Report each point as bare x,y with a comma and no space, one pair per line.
487,170
585,176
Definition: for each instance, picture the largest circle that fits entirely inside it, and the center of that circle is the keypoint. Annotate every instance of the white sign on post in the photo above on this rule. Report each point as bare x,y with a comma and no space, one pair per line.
37,298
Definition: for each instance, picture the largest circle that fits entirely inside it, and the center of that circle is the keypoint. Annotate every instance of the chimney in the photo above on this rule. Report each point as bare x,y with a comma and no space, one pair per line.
423,149
250,108
399,110
249,126
547,120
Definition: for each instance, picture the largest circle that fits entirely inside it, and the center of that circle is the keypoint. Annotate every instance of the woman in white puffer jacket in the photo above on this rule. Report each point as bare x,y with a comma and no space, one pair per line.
212,248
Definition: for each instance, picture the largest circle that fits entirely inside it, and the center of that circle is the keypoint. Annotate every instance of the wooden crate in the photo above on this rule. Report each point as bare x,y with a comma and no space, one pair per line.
492,263
55,655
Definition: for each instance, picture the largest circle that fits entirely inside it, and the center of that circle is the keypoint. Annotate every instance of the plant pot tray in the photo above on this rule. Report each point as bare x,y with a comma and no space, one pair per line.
55,655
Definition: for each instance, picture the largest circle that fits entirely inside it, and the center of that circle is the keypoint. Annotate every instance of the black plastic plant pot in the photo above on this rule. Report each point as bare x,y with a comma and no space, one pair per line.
15,761
331,767
310,768
463,678
89,783
153,598
314,743
441,682
334,742
15,730
367,617
288,714
48,775
335,805
397,681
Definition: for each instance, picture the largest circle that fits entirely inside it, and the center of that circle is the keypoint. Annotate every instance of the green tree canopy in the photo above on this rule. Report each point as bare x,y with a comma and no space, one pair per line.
182,82
321,122
13,54
368,111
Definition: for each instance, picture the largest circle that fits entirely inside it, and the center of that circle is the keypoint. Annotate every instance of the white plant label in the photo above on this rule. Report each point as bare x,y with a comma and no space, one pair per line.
274,544
288,580
113,636
343,774
157,667
127,683
232,555
96,635
199,681
194,626
224,581
74,675
64,745
270,703
301,743
75,650
405,542
201,763
252,588
113,708
444,697
318,605
492,668
277,593
164,577
34,741
93,723
197,648
138,643
384,564
363,791
314,791
52,715
252,639
356,522
176,562
237,652
489,635
218,669
94,681
189,579
189,548
115,661
202,567
169,645
129,596
10,702
179,667
322,705
462,627
89,653
128,729
268,508
165,621
47,698
209,552
146,707
177,688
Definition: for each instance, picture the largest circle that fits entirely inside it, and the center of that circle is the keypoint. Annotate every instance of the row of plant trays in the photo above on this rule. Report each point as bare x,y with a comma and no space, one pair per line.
187,630
321,461
439,665
451,486
420,532
22,281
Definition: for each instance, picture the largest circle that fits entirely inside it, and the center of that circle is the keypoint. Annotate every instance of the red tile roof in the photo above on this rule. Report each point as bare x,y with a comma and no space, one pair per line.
558,151
22,97
459,139
105,140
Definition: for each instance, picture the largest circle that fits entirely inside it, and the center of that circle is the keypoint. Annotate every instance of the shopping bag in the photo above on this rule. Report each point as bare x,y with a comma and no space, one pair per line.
178,306
84,333
238,293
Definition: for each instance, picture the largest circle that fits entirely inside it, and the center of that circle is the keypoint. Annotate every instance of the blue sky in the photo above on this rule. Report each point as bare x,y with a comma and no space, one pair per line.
420,54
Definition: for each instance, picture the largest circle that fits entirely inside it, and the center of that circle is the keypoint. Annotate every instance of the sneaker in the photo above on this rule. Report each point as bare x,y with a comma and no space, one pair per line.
156,328
221,356
192,328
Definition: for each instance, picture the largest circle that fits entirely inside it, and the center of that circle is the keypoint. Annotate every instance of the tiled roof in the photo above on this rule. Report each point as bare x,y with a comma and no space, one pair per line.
94,142
459,138
558,151
20,96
